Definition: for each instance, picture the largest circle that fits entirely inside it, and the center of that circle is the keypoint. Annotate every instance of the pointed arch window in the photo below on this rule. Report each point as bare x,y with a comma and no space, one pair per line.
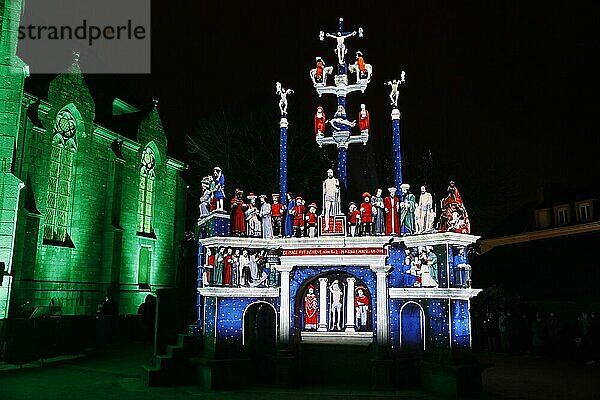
60,178
146,192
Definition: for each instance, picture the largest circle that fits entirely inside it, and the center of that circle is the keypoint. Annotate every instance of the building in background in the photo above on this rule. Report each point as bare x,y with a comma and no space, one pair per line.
89,209
545,251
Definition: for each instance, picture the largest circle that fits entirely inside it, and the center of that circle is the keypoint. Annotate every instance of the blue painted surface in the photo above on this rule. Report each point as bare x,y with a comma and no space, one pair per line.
299,276
461,338
342,166
397,153
438,335
283,162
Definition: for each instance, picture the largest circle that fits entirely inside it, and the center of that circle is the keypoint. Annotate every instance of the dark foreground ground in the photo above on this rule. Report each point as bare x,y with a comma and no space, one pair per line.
116,373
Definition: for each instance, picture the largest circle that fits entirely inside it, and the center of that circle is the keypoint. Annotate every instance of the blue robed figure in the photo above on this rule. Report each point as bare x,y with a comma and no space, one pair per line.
408,278
289,221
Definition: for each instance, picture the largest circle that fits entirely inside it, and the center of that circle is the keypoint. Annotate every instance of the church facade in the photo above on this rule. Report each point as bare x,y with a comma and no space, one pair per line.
88,212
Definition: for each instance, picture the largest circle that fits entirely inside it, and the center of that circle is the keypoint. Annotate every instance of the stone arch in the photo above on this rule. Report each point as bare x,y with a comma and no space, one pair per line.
412,327
257,319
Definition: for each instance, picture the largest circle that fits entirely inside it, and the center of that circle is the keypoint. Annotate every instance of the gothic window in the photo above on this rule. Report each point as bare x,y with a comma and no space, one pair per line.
146,192
60,177
144,266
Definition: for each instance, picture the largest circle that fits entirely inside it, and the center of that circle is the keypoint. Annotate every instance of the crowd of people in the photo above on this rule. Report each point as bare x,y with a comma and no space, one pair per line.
538,333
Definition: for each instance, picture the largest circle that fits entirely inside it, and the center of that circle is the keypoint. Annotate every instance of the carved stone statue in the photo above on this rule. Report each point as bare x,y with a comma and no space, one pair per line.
363,71
424,213
394,92
205,198
407,210
341,50
364,120
336,296
453,214
319,74
339,122
331,197
320,121
219,190
283,93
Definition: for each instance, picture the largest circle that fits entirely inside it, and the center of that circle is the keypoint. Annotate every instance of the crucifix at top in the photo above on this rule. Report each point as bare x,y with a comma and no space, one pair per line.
340,36
338,130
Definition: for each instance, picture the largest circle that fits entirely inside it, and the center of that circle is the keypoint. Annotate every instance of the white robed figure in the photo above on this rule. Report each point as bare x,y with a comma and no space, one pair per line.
424,214
265,214
253,270
254,227
331,197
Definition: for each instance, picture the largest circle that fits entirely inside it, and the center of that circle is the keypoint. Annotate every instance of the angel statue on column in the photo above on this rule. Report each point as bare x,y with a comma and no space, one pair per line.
394,93
283,93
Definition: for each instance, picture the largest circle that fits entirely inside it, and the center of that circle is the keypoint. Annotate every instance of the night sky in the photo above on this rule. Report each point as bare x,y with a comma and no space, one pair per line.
502,95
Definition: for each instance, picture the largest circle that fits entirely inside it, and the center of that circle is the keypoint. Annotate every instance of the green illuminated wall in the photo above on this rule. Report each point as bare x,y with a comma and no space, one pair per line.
96,248
12,76
102,253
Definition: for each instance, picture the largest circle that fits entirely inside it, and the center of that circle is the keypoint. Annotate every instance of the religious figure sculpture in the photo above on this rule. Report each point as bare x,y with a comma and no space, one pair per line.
227,267
219,191
237,217
366,215
207,274
432,261
245,273
289,220
424,213
363,71
361,303
394,92
462,269
427,279
407,210
265,215
205,198
311,220
253,269
339,123
298,214
453,215
254,227
409,271
364,120
392,206
319,74
310,310
320,121
331,197
378,212
282,93
318,77
335,306
235,268
341,50
277,211
219,264
353,218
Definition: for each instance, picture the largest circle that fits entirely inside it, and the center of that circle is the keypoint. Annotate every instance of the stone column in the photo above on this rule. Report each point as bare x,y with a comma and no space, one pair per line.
284,311
322,305
350,304
382,305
